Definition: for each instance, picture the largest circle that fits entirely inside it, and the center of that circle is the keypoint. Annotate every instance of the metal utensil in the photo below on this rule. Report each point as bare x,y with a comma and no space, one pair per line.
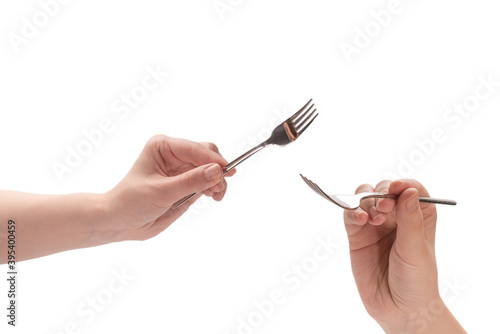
352,202
283,134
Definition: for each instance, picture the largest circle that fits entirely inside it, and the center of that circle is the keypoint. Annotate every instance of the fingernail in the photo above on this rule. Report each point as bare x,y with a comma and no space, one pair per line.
412,203
213,172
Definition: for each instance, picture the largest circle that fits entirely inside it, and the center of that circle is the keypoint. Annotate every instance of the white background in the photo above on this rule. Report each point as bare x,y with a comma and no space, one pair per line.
228,78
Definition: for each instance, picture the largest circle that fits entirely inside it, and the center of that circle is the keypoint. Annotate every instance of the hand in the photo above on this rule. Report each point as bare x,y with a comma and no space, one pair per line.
393,259
167,170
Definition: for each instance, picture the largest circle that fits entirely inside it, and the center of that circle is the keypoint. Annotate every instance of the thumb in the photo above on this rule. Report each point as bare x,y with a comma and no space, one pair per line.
195,180
410,231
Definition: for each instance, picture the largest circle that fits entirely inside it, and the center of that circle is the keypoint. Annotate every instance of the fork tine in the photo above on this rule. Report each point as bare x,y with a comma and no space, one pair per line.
322,192
301,110
309,183
316,188
305,127
296,120
342,204
299,125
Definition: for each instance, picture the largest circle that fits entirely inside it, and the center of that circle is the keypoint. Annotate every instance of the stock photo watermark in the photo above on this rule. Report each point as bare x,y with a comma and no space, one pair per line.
364,36
223,7
291,281
121,107
449,291
453,119
32,25
12,273
89,309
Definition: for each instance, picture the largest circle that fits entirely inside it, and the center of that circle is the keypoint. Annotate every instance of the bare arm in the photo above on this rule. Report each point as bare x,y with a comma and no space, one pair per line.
138,208
47,224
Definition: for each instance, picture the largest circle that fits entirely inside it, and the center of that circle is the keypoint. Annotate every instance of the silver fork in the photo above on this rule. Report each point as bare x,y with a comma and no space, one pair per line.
283,134
352,202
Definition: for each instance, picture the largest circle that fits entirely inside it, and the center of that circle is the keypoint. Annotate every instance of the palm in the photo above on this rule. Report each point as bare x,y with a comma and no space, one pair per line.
152,215
380,271
370,248
148,191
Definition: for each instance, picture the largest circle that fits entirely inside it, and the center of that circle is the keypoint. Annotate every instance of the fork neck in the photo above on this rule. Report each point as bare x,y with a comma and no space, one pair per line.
245,156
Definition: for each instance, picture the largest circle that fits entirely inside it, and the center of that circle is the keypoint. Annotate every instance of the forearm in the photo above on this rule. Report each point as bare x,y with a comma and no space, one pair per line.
47,224
436,319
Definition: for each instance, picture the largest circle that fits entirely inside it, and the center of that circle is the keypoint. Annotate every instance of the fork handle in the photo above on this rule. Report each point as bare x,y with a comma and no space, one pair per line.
421,199
437,200
226,169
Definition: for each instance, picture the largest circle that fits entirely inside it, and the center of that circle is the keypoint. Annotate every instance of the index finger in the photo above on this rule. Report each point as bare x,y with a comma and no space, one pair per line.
214,148
363,214
384,205
398,186
369,206
194,153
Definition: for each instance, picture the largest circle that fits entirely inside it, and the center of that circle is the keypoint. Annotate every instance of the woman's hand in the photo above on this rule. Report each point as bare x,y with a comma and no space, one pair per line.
167,170
393,260
138,208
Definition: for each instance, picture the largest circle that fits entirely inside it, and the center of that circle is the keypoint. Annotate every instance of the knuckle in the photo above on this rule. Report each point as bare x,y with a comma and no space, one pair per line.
191,149
384,184
158,139
218,187
187,180
158,142
213,147
363,187
418,185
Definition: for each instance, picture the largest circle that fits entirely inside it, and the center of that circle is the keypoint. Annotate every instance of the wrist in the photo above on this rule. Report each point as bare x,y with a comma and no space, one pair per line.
102,220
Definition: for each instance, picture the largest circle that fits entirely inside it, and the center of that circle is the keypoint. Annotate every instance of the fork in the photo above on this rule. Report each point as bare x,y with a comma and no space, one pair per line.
282,135
352,202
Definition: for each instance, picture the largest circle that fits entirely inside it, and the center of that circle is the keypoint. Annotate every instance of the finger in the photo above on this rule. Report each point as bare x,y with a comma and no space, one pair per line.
368,205
428,209
355,217
398,186
384,205
194,153
198,179
219,187
410,231
213,147
220,195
